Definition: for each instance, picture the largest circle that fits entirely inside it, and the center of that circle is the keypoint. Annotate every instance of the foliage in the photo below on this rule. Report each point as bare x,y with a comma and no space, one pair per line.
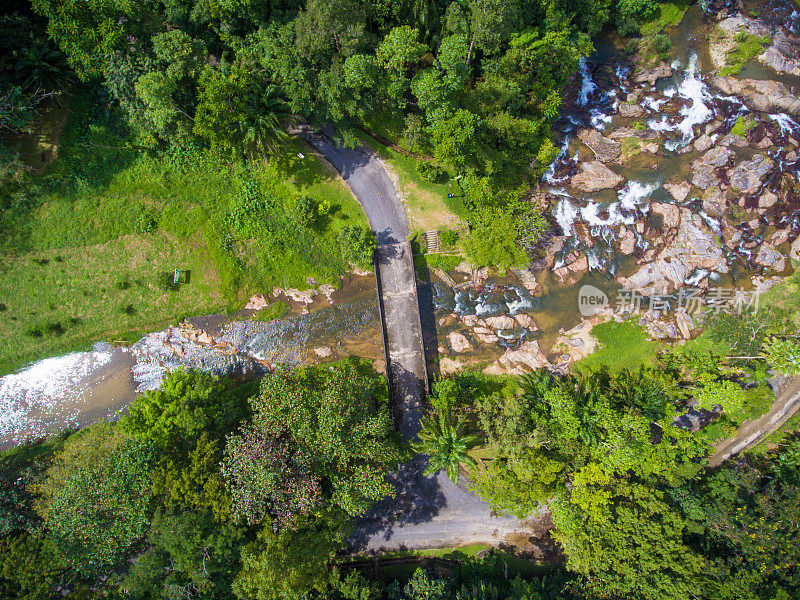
30,566
494,240
783,356
445,445
96,505
622,346
746,46
336,417
268,475
358,245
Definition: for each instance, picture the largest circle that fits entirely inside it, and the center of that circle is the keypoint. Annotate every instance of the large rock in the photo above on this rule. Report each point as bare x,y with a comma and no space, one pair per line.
770,258
663,69
748,175
670,214
720,45
458,342
639,134
704,169
594,176
764,95
604,149
694,247
631,111
500,322
783,55
679,191
527,355
703,143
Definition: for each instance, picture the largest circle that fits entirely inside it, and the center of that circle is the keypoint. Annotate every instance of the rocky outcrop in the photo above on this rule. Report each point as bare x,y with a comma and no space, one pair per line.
704,169
458,342
764,95
576,262
694,247
528,357
725,41
631,111
783,55
650,76
604,149
679,191
748,175
594,176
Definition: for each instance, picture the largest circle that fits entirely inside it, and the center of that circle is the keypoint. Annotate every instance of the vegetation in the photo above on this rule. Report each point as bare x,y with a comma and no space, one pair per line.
622,346
746,46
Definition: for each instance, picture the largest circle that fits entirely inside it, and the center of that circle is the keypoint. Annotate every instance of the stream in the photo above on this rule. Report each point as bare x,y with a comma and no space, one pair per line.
669,216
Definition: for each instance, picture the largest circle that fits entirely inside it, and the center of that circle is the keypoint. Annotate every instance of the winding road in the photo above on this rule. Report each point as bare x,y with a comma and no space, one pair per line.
427,512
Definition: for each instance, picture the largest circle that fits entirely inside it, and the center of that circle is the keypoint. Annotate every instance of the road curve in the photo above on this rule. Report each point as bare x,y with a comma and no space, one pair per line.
427,512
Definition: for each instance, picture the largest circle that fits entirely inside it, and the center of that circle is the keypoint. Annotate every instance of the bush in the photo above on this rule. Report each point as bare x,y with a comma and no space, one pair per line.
358,244
660,46
432,173
449,237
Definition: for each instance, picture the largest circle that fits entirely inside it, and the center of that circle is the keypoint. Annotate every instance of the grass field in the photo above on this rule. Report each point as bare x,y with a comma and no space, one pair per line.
89,246
622,346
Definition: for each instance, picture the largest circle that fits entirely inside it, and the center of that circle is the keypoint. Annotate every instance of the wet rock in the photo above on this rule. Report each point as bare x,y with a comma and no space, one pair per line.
323,351
639,134
663,69
458,342
528,279
473,321
448,366
685,323
500,322
526,322
631,111
748,175
627,242
256,302
712,127
733,139
715,201
763,95
728,29
446,320
555,247
679,191
791,156
778,237
704,169
527,355
575,265
767,199
485,335
784,54
670,214
769,258
694,247
606,150
578,342
594,176
703,143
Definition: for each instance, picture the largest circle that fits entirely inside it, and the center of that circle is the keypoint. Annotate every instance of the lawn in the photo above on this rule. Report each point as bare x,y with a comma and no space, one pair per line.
88,246
622,346
668,15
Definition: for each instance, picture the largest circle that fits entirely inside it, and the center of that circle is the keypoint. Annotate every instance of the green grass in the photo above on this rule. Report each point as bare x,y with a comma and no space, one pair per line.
742,126
276,310
747,47
668,16
427,204
622,346
88,246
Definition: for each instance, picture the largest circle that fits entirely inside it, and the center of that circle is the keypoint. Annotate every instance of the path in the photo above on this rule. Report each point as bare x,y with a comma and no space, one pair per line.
786,403
428,511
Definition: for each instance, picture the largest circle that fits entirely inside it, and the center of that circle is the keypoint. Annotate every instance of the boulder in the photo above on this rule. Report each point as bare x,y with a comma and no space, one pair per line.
448,366
639,134
256,302
694,247
767,199
500,322
783,55
606,150
704,169
715,201
733,139
770,258
703,143
594,176
763,95
576,265
650,76
527,355
526,322
670,213
578,342
323,351
631,111
679,191
748,175
627,241
473,321
458,342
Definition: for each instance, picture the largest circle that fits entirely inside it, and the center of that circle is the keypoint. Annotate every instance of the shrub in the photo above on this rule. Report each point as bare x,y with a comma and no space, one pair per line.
660,46
432,173
449,237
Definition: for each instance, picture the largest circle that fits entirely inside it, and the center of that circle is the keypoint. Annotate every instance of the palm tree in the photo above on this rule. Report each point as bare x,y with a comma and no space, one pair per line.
263,129
445,445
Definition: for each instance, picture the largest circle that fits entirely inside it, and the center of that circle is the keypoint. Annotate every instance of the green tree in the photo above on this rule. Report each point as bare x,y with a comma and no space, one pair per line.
30,567
445,445
494,240
358,245
95,498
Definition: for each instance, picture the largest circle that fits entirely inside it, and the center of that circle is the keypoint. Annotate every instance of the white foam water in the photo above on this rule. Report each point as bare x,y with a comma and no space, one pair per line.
692,88
29,396
785,122
631,196
549,175
591,214
588,86
566,213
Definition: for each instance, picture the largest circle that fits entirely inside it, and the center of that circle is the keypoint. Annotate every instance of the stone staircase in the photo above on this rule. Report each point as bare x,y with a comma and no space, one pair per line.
431,241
